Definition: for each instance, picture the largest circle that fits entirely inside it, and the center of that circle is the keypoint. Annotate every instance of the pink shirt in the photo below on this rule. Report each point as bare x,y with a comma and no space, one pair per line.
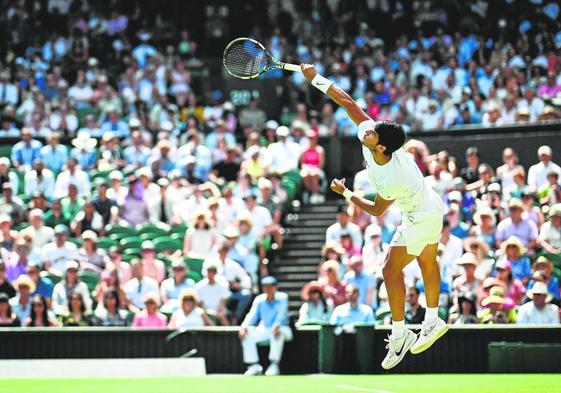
143,320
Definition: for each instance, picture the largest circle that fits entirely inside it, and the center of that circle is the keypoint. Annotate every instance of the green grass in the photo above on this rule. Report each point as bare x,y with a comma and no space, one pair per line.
391,383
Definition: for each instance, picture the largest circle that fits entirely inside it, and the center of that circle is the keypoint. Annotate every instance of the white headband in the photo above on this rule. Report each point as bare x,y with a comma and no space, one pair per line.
366,125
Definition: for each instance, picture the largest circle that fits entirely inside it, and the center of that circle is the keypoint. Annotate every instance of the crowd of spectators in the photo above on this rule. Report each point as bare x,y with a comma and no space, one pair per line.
499,252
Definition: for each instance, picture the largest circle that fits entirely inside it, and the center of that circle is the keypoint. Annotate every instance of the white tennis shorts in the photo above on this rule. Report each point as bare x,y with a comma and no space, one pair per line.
420,227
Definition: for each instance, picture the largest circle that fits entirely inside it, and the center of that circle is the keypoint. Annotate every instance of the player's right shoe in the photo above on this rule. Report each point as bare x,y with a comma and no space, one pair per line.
254,369
397,348
430,332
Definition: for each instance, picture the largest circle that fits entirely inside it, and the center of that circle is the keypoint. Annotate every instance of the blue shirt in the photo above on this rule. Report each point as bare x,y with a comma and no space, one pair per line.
24,155
521,268
22,312
44,288
552,287
211,140
54,159
268,314
86,160
134,156
363,282
120,128
345,314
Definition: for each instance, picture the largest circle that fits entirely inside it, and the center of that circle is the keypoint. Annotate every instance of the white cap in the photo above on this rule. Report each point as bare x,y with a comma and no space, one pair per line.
373,230
283,131
366,125
134,122
5,161
544,150
272,124
115,175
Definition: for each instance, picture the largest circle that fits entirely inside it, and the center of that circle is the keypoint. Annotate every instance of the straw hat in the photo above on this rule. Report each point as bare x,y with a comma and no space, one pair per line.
555,210
332,245
513,241
543,260
83,141
309,287
26,281
467,259
490,282
515,203
539,288
483,247
189,293
245,218
493,299
331,264
484,211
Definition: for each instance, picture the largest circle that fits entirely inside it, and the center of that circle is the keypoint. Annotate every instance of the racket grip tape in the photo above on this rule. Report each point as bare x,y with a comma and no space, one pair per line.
291,67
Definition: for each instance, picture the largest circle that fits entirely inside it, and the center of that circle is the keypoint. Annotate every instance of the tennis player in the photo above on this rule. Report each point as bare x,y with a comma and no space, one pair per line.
397,179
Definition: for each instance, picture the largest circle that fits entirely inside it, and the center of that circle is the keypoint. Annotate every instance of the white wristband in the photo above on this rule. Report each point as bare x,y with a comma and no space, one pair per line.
347,194
321,83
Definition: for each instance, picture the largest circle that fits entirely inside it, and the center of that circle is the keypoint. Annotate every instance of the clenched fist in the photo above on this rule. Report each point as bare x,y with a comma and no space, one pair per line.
338,186
309,71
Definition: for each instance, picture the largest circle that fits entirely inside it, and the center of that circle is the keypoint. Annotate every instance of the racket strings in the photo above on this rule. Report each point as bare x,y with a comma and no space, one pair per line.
245,59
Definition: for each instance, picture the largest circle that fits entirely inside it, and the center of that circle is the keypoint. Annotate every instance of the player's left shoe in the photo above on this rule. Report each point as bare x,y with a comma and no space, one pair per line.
430,332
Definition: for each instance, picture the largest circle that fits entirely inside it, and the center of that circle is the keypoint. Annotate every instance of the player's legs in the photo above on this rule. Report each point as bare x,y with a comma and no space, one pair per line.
401,339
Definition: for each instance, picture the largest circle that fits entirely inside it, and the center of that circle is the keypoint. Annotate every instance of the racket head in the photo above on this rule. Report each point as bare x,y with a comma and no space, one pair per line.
246,58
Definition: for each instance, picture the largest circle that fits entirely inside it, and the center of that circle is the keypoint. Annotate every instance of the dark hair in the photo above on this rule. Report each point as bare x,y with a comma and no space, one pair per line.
391,135
112,291
44,315
467,297
322,299
82,305
5,299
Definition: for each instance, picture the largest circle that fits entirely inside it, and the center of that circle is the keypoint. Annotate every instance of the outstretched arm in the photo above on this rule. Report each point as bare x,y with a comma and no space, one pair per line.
340,97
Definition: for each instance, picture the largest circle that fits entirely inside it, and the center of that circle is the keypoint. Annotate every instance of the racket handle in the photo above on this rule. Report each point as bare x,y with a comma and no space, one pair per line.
291,67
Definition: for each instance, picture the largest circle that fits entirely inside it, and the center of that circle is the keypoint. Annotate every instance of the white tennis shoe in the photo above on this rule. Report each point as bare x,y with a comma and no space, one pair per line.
254,369
430,332
273,369
397,348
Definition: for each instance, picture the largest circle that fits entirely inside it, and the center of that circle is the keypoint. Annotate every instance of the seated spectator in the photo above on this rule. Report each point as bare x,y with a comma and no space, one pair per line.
249,241
56,216
17,260
110,312
551,192
214,291
505,173
40,315
543,270
539,310
109,280
139,286
284,154
343,226
226,170
11,205
513,252
117,192
329,278
55,254
262,221
364,282
467,281
43,285
253,165
414,312
123,268
531,211
458,227
54,155
485,225
452,250
72,175
84,151
7,317
352,312
150,317
550,231
316,307
37,231
5,285
110,153
8,236
173,286
199,237
25,151
105,207
21,303
312,161
267,320
8,176
537,174
514,289
153,267
189,314
466,312
39,179
524,229
134,209
480,249
496,308
77,315
87,220
137,154
90,256
70,283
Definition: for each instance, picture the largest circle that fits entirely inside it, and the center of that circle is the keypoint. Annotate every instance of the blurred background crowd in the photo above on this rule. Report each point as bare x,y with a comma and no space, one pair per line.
135,192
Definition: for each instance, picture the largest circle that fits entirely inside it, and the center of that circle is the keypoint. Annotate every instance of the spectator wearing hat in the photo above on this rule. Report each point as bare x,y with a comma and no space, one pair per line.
537,174
466,312
110,153
43,285
72,175
172,286
37,231
513,251
39,179
253,163
467,281
550,193
550,231
270,200
514,289
40,315
53,154
149,317
21,303
138,286
6,175
364,282
90,256
84,151
329,278
26,151
5,284
517,225
497,309
531,211
284,155
117,192
374,251
7,317
200,237
539,310
266,320
343,226
485,225
17,260
316,307
153,267
7,235
55,254
543,269
11,205
189,314
70,283
214,291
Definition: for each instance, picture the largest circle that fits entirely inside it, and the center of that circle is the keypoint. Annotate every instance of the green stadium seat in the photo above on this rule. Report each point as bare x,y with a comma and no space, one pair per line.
194,264
179,228
55,278
129,257
118,229
553,258
76,241
132,251
130,242
90,279
167,244
195,276
154,229
106,243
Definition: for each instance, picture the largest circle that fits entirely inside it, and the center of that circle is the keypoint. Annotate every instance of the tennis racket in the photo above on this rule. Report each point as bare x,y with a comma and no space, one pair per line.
246,58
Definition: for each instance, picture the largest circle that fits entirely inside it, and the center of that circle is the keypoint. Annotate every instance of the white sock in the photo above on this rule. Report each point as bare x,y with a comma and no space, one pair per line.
431,314
398,328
